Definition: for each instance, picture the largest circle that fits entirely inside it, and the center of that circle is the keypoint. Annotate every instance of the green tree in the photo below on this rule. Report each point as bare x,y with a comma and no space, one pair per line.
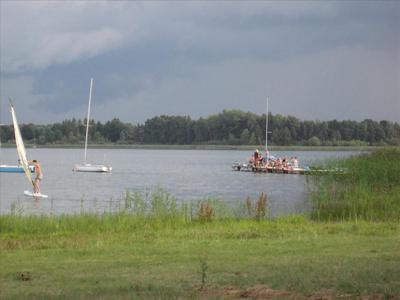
245,137
314,141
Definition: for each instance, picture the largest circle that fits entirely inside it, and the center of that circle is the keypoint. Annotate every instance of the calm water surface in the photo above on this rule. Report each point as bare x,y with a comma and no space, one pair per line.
188,175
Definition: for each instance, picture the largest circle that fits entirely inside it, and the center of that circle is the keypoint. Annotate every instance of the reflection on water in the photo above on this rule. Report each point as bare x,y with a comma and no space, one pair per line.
189,175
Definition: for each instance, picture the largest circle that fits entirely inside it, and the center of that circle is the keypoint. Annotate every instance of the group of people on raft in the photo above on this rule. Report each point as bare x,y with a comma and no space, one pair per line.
258,162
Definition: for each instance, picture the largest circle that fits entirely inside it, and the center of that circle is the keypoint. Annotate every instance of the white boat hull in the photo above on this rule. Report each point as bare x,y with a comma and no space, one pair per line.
92,168
14,169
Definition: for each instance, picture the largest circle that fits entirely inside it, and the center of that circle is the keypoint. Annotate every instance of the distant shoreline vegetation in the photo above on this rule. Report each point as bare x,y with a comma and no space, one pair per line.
230,128
197,147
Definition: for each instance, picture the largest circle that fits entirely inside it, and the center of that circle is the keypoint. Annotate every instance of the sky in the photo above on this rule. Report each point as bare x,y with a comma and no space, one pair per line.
315,60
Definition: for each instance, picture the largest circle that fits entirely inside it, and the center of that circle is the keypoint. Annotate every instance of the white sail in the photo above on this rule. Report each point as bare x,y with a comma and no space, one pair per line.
20,146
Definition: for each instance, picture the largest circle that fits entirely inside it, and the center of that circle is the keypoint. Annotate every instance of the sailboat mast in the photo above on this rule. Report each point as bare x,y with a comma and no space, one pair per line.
266,128
88,116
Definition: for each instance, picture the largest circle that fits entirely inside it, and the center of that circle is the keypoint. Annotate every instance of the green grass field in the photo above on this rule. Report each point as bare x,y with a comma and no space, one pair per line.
121,256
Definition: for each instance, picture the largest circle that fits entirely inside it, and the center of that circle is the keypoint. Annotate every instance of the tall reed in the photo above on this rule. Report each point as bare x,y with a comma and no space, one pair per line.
361,187
147,210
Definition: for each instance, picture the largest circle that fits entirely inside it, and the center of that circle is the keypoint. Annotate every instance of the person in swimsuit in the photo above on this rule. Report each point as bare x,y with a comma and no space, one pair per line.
256,158
39,176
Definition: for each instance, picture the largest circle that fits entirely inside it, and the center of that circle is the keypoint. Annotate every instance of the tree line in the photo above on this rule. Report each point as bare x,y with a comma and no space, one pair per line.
231,127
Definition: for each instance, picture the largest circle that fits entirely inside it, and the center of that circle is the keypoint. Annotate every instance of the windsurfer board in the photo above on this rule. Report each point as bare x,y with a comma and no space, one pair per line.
35,195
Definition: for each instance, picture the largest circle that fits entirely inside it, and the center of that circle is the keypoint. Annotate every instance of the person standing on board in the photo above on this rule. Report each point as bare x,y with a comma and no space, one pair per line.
39,176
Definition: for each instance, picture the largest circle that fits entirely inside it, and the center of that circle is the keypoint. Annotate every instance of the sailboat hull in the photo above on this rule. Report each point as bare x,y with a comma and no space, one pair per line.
14,169
92,168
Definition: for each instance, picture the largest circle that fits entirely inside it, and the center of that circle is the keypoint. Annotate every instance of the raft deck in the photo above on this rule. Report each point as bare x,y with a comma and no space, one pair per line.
262,169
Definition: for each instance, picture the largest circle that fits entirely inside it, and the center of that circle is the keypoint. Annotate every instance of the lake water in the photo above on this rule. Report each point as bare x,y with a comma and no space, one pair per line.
189,175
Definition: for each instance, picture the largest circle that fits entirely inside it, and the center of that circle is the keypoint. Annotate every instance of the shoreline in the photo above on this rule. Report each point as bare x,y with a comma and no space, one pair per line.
199,147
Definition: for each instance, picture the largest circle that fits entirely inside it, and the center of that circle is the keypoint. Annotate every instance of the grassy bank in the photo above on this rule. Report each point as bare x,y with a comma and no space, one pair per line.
122,256
202,147
367,187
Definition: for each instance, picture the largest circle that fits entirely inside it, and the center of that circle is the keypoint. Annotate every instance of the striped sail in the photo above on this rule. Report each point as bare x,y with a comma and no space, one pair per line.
20,146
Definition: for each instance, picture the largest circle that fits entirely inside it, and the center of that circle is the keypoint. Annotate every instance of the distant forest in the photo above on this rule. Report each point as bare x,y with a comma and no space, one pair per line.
231,127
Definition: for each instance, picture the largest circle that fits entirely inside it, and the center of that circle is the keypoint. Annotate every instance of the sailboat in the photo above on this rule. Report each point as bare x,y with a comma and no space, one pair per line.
22,154
249,167
13,168
87,167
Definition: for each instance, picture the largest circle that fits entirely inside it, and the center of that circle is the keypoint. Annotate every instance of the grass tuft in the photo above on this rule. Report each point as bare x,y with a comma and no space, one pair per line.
206,212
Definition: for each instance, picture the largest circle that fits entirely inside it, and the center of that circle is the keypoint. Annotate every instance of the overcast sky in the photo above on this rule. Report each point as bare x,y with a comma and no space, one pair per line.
315,60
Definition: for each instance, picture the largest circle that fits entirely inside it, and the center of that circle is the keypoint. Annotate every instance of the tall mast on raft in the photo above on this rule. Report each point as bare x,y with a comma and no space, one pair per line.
266,128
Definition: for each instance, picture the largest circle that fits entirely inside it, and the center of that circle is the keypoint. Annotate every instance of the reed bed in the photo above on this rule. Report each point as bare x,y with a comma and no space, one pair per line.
361,187
150,209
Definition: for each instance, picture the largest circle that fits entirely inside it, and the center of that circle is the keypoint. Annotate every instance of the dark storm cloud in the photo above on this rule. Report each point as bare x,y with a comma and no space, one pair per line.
200,57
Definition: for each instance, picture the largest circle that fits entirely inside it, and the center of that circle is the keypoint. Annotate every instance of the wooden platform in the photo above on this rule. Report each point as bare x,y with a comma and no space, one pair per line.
248,168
